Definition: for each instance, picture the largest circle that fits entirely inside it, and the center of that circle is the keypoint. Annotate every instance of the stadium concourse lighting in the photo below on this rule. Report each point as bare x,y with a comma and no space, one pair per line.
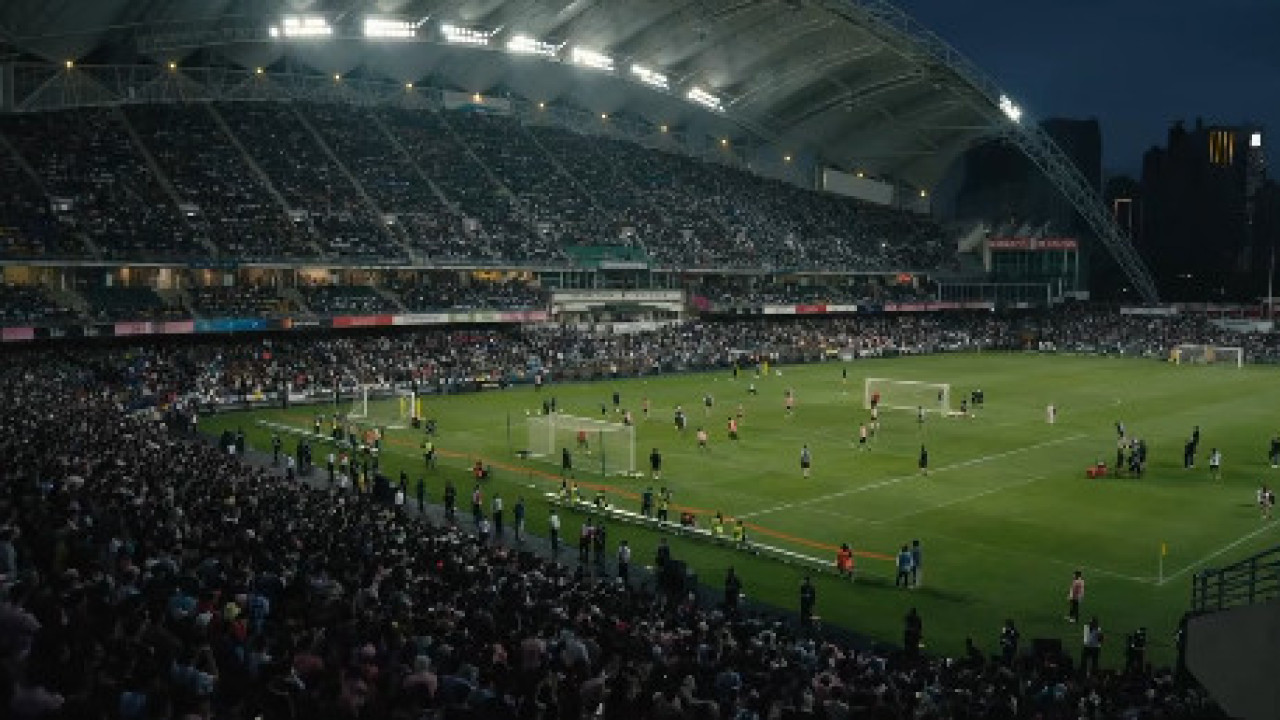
1010,109
649,77
705,99
302,27
525,45
388,29
465,36
592,59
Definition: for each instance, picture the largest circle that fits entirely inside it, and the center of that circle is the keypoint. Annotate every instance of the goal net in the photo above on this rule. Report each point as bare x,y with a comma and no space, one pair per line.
908,395
372,405
1191,354
596,446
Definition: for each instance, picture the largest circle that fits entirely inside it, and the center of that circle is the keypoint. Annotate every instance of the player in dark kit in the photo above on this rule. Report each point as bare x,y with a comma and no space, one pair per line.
1275,452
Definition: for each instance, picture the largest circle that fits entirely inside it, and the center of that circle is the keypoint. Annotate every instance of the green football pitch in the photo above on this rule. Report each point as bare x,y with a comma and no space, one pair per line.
1004,515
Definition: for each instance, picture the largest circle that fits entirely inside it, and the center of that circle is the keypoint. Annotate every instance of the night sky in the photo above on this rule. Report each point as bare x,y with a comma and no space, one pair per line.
1136,65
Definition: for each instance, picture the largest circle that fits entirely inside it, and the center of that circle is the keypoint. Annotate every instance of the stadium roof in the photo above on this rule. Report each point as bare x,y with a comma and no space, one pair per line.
847,81
854,83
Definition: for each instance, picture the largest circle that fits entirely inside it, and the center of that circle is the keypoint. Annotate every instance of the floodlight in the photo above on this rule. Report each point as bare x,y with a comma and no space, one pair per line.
705,99
389,29
1010,109
592,59
465,36
303,27
649,77
1255,140
526,45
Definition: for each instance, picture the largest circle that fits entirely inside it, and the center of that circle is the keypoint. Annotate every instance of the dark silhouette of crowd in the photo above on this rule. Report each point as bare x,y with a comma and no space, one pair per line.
147,573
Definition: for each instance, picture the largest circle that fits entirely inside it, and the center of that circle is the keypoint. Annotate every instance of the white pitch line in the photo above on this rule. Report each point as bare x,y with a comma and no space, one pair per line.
903,478
964,499
1219,551
1040,558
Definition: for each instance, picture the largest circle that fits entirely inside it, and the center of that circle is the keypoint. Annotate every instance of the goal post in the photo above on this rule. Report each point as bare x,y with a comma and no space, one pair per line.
1196,354
908,395
396,410
359,407
609,448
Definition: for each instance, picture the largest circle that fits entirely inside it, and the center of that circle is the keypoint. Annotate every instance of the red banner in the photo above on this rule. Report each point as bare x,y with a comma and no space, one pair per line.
12,334
362,320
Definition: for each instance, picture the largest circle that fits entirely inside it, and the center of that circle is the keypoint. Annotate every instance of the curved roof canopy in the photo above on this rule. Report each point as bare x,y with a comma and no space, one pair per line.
830,77
854,83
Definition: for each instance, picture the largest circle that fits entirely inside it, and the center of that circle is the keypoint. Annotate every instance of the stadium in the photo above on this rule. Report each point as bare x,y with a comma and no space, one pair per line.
544,359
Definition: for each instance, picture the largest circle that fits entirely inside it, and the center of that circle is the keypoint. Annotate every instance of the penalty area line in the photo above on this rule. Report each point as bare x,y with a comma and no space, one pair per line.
903,478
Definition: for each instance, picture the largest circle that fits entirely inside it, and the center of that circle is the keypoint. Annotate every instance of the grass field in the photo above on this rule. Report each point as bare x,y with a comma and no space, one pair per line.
1004,516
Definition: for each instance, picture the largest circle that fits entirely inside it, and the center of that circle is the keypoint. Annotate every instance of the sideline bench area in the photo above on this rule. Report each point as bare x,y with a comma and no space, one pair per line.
789,557
614,512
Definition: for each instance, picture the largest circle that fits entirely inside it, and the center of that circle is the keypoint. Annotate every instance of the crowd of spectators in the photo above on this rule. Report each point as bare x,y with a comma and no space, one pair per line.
323,201
345,300
238,301
148,574
736,291
491,225
28,227
110,304
271,181
472,296
100,184
23,304
219,195
403,194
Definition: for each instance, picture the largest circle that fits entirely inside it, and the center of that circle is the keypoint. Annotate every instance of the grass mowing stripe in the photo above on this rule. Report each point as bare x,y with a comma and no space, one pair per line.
903,478
962,499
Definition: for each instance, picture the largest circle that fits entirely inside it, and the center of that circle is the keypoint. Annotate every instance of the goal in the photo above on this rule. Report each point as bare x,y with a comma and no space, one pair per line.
908,395
1191,354
396,411
610,447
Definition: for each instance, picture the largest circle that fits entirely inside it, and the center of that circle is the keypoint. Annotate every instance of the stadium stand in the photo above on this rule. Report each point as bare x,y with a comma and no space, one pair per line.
22,304
492,227
129,303
251,301
218,193
100,184
28,227
322,200
395,184
270,181
345,299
